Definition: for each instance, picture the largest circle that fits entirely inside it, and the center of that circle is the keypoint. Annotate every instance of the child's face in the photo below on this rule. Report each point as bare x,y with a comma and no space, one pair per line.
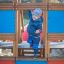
35,17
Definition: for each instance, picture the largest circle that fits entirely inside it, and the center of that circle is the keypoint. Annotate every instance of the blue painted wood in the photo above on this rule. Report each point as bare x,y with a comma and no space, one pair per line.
7,21
56,21
31,62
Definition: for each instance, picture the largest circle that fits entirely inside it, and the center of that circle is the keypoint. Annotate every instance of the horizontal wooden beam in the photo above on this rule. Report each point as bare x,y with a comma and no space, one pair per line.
4,6
55,37
7,36
55,58
31,6
55,6
44,6
30,58
7,58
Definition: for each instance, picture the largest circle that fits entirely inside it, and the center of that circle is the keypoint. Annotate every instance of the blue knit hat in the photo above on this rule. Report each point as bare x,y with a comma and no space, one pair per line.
37,11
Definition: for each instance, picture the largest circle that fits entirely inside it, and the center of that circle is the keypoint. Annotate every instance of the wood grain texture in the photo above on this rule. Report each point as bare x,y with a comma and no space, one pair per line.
7,36
52,37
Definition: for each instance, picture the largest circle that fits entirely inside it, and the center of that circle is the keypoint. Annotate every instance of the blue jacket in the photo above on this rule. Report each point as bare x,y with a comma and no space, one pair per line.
34,24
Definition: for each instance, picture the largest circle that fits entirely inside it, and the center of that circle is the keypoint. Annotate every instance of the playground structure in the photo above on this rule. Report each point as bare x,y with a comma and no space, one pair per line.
17,8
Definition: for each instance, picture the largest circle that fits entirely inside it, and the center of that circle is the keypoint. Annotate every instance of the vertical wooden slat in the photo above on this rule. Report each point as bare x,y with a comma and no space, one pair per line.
22,23
17,25
14,49
45,32
43,37
19,32
48,49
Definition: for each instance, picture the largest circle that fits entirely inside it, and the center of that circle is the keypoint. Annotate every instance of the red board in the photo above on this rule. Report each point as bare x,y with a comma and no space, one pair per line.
56,62
7,62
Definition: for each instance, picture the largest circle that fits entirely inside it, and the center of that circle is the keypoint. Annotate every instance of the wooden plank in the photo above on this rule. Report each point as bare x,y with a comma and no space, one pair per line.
30,58
7,58
45,5
17,28
4,6
45,32
25,6
56,37
8,36
55,6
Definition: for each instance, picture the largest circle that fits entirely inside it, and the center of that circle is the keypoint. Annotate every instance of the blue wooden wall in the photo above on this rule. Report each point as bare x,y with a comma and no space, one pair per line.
7,21
55,21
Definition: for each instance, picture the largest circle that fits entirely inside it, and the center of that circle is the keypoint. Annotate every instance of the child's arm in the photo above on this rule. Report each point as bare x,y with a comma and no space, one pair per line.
30,15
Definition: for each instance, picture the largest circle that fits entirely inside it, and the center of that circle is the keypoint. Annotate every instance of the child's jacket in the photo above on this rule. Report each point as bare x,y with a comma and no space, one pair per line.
34,24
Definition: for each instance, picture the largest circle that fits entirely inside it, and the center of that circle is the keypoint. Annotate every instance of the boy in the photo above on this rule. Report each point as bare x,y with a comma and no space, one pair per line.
34,29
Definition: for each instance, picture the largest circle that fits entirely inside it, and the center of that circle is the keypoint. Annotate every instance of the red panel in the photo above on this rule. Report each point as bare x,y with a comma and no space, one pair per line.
7,62
56,62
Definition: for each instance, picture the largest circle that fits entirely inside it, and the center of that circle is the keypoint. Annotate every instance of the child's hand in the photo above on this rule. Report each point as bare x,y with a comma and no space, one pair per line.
37,31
